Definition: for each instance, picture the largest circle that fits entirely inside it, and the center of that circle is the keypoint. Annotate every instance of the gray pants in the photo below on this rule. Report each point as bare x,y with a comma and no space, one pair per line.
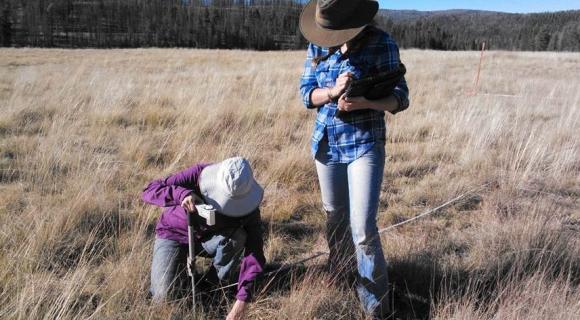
168,268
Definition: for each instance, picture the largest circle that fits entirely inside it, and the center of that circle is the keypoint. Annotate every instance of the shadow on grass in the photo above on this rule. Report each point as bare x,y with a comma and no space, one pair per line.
415,283
296,231
421,281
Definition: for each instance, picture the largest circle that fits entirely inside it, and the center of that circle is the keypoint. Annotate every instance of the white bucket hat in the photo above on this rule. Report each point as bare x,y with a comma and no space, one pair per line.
229,186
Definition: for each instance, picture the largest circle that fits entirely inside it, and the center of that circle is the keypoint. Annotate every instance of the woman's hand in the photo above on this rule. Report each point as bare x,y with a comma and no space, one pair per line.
238,311
188,204
353,104
342,83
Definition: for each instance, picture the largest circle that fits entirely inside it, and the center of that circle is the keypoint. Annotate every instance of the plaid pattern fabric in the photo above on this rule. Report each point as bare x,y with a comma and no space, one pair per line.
353,134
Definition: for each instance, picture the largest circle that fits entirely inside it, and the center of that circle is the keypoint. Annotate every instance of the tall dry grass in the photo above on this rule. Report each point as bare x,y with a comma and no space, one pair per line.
82,131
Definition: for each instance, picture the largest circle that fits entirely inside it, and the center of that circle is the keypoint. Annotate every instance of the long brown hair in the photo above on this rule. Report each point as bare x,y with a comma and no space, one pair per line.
353,45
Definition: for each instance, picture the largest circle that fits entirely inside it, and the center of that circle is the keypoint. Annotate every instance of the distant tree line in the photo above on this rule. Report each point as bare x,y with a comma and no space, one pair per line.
465,31
259,25
247,24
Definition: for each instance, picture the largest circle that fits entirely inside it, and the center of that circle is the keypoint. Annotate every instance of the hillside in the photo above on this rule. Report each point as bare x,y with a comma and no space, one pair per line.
413,15
466,29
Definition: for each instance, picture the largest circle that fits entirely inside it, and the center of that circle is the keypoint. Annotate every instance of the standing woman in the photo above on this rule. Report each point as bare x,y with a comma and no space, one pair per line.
348,142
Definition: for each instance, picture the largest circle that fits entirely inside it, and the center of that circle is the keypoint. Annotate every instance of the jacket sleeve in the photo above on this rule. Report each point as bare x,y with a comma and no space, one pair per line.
172,190
253,262
390,61
308,81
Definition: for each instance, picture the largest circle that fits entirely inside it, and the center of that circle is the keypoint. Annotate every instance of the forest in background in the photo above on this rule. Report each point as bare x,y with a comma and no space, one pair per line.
263,25
466,29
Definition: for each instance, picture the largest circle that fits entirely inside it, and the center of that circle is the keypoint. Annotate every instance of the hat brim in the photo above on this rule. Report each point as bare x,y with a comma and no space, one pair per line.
329,38
224,204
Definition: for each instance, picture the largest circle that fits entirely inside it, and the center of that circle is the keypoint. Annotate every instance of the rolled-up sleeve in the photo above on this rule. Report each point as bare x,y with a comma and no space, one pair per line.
390,60
308,82
401,93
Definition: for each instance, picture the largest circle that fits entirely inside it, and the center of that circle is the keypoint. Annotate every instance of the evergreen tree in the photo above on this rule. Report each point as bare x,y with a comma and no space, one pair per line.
5,26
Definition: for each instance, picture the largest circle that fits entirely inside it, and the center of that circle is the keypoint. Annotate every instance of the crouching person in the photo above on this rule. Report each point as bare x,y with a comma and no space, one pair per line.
236,237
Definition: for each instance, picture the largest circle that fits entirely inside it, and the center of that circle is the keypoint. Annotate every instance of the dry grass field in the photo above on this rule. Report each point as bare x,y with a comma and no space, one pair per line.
83,131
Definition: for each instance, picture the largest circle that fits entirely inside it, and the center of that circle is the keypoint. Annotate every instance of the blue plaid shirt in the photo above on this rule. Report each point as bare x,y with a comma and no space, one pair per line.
353,134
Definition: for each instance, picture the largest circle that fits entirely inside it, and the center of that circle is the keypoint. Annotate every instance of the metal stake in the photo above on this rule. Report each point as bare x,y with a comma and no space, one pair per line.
191,260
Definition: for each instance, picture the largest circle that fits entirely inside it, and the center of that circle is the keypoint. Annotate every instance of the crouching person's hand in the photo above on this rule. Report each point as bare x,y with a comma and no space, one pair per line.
238,311
188,204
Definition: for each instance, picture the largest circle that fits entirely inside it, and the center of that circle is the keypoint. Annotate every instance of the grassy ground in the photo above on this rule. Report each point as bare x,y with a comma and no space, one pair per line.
82,131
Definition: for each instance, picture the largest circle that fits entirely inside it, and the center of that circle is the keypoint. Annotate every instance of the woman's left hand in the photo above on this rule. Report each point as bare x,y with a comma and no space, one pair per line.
352,104
238,311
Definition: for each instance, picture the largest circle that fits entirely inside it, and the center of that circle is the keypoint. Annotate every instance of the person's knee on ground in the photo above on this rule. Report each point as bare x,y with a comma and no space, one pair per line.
167,255
228,253
159,294
166,289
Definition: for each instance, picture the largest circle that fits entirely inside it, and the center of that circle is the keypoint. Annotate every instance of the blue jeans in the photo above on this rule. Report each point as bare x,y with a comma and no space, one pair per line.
168,269
350,196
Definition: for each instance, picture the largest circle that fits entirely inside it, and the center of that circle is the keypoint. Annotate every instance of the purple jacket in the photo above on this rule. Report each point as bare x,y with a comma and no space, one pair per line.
172,225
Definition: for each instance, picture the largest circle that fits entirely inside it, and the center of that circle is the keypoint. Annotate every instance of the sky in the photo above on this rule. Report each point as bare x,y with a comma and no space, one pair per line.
520,6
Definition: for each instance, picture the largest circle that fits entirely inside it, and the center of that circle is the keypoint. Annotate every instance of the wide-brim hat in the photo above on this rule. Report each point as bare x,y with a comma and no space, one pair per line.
330,23
229,186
